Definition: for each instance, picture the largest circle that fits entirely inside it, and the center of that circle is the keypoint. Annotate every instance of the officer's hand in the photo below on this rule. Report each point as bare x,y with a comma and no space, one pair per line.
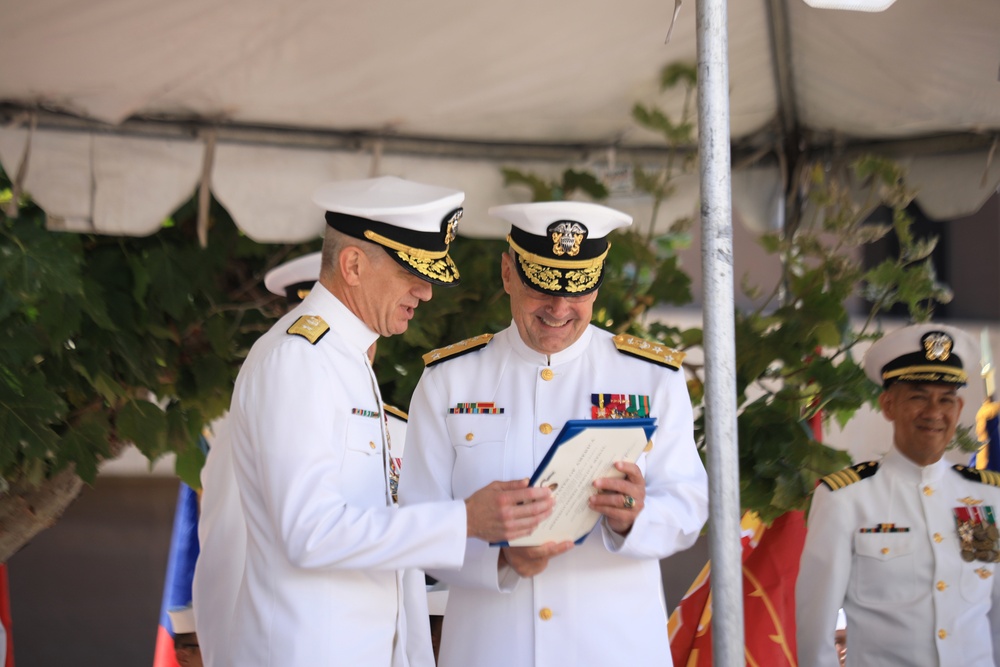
620,500
506,510
529,561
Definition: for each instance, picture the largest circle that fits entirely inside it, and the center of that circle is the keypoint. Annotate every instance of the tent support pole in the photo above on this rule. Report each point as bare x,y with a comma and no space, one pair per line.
719,334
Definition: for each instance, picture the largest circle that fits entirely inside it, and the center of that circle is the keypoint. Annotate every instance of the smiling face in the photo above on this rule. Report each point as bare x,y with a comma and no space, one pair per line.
924,417
547,324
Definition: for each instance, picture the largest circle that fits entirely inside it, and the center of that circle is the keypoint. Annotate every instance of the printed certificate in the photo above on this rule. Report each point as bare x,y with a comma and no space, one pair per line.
585,450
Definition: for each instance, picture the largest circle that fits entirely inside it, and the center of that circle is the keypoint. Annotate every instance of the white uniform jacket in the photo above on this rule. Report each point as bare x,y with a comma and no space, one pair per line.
222,537
602,602
886,549
322,582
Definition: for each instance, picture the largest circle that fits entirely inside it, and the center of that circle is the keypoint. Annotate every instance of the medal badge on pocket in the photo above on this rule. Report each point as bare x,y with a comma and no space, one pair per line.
619,406
978,533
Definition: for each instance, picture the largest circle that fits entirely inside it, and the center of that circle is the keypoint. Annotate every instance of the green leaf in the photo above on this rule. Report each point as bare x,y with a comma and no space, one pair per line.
144,424
85,445
27,416
188,466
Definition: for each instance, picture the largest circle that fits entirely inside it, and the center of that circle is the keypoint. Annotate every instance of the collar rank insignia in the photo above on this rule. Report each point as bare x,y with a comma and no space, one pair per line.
649,350
848,476
457,349
310,327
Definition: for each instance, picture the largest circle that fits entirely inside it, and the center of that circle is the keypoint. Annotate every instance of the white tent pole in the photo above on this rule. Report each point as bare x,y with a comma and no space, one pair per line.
719,346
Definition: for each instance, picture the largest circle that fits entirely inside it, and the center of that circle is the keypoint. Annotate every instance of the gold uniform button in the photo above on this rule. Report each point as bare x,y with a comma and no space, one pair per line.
545,428
885,550
371,444
469,437
545,613
943,634
547,374
928,491
938,538
941,585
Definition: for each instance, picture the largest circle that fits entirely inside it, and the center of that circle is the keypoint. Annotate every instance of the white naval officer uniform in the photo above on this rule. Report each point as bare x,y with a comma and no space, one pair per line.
325,546
909,597
602,602
222,537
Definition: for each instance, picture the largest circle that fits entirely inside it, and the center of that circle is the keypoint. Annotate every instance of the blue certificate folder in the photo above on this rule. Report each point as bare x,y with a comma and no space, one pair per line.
580,454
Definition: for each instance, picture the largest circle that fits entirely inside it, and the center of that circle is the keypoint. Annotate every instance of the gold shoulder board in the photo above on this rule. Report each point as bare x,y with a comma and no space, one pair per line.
393,410
848,476
982,476
310,327
457,349
658,353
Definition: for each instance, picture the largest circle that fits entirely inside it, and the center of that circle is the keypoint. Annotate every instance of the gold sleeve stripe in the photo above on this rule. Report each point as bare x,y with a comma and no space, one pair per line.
842,478
982,476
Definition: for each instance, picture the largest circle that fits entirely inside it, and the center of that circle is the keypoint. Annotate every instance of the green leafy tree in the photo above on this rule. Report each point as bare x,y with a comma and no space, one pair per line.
115,340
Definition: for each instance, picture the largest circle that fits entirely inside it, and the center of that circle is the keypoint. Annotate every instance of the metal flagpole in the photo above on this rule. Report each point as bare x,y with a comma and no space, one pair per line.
719,334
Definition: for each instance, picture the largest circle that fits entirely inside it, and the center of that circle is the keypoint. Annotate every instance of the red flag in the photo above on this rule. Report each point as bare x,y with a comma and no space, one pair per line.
770,567
7,650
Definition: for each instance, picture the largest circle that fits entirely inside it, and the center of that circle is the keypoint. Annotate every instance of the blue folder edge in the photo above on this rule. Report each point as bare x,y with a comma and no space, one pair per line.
573,427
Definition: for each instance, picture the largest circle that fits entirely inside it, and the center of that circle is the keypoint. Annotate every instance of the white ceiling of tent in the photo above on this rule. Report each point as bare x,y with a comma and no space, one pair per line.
517,74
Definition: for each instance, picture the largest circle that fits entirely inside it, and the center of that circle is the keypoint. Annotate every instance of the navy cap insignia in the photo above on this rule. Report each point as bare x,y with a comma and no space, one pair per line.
937,345
567,237
310,327
451,229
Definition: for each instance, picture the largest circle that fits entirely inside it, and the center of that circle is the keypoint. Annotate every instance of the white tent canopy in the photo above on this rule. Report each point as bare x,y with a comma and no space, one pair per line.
125,96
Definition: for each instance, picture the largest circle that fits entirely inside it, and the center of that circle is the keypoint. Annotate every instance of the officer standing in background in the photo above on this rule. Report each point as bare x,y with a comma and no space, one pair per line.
907,545
325,543
490,408
221,527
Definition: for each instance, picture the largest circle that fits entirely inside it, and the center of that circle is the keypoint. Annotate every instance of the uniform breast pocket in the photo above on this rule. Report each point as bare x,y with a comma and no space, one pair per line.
885,568
479,442
977,581
362,473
